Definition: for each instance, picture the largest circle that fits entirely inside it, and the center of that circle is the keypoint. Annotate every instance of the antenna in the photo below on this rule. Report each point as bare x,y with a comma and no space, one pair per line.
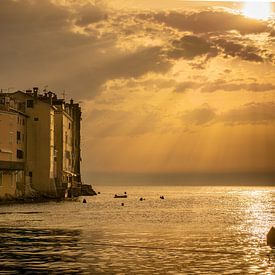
64,95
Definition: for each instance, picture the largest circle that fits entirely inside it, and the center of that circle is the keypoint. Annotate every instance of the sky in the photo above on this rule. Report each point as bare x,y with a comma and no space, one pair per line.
166,86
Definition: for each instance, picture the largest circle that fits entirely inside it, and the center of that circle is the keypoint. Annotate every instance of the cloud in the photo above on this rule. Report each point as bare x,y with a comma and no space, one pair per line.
122,65
192,46
224,85
40,46
250,113
189,46
90,14
215,32
21,17
211,21
139,62
236,49
37,39
80,47
202,115
186,85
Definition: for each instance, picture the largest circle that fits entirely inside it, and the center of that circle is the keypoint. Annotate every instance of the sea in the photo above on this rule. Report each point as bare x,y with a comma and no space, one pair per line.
192,230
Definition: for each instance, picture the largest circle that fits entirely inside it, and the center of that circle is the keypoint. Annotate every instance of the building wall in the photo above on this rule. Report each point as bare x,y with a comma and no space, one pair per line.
40,144
7,184
67,143
8,126
12,152
63,146
76,115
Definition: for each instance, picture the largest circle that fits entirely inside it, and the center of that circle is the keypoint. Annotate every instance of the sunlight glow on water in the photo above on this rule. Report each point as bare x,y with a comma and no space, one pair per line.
204,230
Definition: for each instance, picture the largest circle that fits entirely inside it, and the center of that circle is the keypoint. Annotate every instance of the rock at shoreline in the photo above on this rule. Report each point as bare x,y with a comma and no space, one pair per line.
87,190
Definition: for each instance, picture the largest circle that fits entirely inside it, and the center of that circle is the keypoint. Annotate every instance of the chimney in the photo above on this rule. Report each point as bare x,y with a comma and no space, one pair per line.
50,96
71,101
35,91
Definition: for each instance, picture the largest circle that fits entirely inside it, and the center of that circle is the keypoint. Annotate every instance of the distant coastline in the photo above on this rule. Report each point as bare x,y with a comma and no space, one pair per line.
188,179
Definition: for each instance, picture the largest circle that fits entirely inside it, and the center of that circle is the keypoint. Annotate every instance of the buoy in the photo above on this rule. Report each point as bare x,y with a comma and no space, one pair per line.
122,204
162,197
125,193
98,192
84,201
141,199
270,237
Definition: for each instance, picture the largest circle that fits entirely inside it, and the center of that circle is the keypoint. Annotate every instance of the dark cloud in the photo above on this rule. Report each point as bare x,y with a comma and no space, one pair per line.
89,14
39,47
237,49
211,21
20,17
37,42
251,113
43,43
200,116
189,46
213,34
139,62
121,65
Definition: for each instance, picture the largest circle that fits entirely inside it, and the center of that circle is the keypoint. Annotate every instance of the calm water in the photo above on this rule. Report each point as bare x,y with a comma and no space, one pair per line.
194,230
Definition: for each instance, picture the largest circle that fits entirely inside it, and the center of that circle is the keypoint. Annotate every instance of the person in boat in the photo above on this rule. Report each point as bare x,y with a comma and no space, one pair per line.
270,237
120,196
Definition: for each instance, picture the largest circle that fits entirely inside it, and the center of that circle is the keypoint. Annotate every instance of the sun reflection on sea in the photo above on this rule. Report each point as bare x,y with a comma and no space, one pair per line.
256,215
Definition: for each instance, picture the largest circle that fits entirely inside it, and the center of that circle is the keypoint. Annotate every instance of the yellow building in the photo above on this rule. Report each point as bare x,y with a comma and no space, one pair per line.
67,145
40,142
12,148
41,153
63,145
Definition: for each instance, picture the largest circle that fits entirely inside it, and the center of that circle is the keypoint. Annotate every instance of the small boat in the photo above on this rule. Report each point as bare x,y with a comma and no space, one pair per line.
120,196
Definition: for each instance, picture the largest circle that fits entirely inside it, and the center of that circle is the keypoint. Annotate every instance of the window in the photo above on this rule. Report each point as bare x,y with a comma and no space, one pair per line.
30,175
20,154
10,137
1,178
23,121
18,136
29,103
69,125
21,106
